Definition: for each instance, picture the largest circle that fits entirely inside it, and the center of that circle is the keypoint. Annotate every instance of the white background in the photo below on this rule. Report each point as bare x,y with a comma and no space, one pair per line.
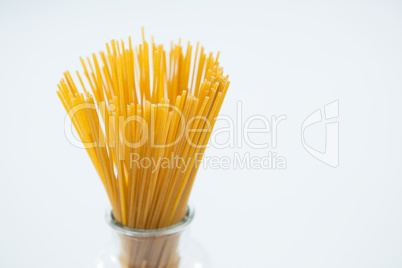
283,57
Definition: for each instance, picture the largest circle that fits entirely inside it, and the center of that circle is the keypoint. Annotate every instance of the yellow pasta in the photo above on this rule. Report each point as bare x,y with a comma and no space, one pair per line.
140,105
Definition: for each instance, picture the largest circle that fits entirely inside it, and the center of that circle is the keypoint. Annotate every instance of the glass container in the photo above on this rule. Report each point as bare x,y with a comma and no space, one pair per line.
169,247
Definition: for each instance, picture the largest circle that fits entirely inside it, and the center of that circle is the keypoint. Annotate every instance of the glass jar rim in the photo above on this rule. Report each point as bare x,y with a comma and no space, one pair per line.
127,231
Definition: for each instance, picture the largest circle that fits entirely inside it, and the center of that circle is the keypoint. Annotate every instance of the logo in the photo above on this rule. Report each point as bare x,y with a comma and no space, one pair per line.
330,155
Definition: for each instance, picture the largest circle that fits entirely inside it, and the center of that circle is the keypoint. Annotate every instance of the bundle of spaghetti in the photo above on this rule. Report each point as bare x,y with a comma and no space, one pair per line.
145,117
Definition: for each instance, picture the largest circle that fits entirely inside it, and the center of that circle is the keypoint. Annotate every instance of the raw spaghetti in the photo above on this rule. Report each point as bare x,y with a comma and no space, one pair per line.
140,105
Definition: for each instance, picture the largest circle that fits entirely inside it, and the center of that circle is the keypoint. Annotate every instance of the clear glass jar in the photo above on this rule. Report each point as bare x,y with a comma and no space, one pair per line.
169,247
